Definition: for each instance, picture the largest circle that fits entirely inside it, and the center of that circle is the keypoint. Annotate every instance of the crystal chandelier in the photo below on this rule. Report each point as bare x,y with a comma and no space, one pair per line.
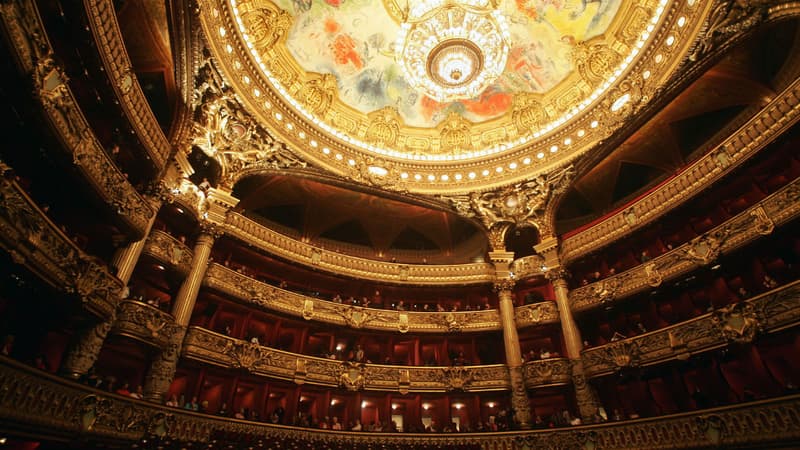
452,49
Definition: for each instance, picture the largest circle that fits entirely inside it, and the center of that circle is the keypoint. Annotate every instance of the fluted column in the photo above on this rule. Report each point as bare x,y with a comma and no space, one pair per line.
519,395
125,258
162,369
584,394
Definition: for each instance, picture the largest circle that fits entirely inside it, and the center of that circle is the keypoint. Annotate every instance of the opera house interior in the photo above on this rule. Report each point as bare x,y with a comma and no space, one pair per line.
400,224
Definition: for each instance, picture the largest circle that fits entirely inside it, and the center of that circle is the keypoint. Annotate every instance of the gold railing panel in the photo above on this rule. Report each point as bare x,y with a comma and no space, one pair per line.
32,239
168,250
755,222
144,323
547,372
739,322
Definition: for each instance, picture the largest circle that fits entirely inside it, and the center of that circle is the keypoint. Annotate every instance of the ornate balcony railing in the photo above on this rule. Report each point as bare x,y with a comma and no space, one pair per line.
317,258
144,323
35,57
757,221
110,45
210,347
35,403
739,322
32,239
775,118
271,298
547,372
165,248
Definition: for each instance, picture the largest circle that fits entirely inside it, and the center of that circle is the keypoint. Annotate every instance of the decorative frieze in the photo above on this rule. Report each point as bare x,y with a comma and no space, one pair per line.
738,323
213,348
751,224
258,235
51,407
272,298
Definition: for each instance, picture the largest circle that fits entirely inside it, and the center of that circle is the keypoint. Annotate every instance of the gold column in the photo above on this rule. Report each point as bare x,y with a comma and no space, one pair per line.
162,369
584,394
125,258
519,395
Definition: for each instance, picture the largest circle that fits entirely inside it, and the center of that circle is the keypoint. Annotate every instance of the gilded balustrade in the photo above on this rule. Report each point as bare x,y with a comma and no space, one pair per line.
35,57
755,222
168,250
213,348
32,239
144,323
547,372
258,235
738,322
752,137
272,298
39,404
111,46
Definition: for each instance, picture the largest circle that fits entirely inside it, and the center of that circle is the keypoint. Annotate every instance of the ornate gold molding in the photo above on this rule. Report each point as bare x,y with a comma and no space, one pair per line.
50,407
521,204
749,225
752,137
111,46
213,348
165,248
272,298
258,235
144,323
33,240
738,322
35,57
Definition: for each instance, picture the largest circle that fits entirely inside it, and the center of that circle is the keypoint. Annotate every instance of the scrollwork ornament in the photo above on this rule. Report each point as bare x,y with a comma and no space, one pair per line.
353,376
625,353
727,19
762,222
738,322
503,285
456,378
652,275
246,355
706,248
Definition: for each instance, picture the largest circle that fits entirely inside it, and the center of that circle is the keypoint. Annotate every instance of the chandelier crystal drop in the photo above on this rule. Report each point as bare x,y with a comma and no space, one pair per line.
451,50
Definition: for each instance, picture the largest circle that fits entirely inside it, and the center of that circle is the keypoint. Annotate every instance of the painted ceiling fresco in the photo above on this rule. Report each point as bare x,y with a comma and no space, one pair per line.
354,40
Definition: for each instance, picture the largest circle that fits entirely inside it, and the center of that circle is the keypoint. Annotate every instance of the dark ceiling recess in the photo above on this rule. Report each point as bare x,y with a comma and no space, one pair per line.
410,239
351,231
633,177
693,132
316,210
521,240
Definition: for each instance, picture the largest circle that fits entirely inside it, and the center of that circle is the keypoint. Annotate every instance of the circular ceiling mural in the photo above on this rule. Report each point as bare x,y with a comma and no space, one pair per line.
357,42
446,92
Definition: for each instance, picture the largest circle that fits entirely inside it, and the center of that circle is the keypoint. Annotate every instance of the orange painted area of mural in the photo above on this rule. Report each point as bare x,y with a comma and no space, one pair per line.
344,51
332,26
489,104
